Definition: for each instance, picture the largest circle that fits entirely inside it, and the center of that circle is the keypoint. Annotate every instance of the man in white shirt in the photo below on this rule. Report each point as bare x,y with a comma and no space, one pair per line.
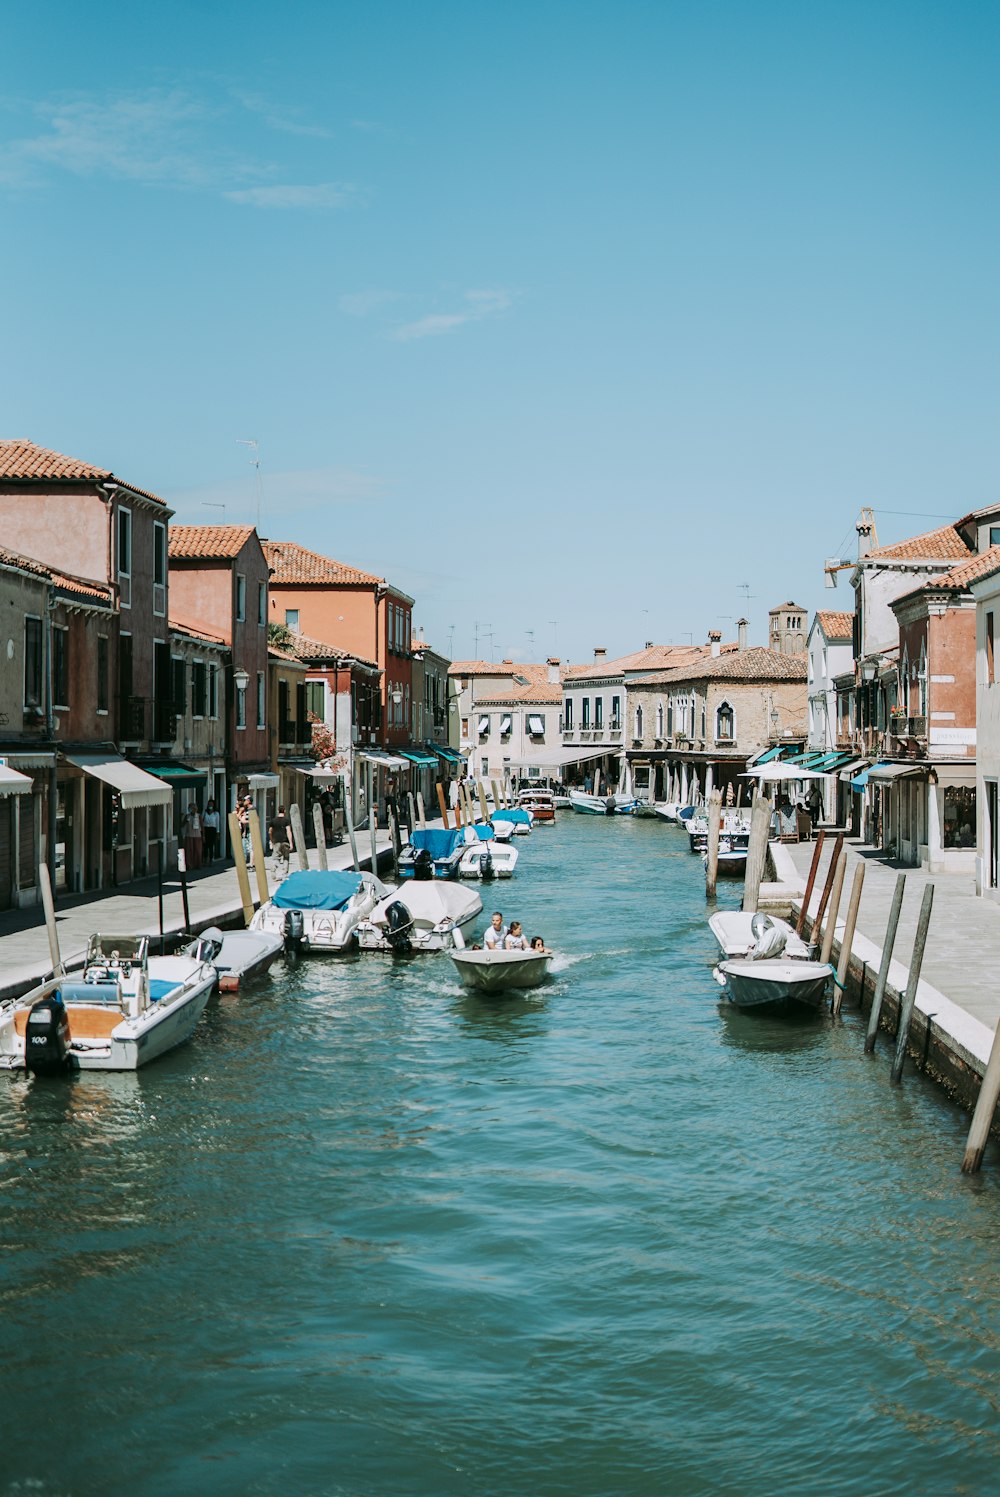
496,933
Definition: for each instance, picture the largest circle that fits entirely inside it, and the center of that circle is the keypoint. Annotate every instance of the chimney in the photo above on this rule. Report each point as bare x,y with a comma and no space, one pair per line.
741,638
864,538
600,653
649,645
715,640
553,665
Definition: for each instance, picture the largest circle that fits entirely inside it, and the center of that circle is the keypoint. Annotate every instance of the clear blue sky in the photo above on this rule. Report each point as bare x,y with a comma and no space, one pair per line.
572,312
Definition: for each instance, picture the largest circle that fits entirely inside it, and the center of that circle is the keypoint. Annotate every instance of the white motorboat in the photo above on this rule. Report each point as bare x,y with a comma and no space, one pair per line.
485,858
421,915
495,971
776,983
541,804
733,929
667,810
319,911
601,805
124,1010
432,852
517,817
238,956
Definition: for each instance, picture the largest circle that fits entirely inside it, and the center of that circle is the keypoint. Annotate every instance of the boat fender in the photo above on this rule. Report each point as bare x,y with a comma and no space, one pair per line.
47,1038
398,926
294,929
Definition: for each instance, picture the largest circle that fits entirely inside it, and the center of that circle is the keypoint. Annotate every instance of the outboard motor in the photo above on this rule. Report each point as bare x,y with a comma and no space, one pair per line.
294,929
609,806
423,863
398,924
46,1038
486,870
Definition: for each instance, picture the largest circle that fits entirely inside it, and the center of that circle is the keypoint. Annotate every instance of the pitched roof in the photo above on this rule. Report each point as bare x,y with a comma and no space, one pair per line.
208,542
836,626
78,586
305,648
758,664
653,657
203,636
943,544
529,669
959,578
542,692
291,563
25,462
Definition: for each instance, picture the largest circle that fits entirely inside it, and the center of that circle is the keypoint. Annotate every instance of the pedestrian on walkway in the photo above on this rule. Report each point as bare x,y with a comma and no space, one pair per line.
210,832
191,832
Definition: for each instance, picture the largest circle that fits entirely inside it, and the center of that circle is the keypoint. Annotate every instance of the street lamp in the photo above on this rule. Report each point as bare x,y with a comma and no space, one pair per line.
241,679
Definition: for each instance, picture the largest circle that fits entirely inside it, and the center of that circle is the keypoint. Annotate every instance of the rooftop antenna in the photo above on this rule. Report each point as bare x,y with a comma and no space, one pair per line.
254,463
744,588
214,504
451,641
531,643
475,643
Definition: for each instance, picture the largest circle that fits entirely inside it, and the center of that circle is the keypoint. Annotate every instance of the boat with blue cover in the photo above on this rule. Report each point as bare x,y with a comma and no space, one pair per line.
432,852
483,856
123,1010
519,818
319,910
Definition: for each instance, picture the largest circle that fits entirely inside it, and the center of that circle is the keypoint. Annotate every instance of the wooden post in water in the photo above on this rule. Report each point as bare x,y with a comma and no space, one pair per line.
760,827
458,808
982,1118
909,998
239,858
320,829
597,782
260,868
299,834
182,870
714,827
875,1012
810,881
349,822
832,912
420,811
830,873
848,937
497,802
444,806
48,905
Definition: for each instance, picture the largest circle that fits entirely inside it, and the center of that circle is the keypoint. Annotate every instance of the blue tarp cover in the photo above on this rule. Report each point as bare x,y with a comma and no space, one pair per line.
438,842
316,890
484,831
516,813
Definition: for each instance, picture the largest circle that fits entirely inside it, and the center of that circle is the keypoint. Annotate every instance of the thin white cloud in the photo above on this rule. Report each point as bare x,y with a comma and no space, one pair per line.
363,303
291,195
278,118
477,306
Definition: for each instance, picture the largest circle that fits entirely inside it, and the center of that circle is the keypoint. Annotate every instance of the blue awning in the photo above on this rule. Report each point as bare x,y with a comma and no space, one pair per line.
447,753
417,756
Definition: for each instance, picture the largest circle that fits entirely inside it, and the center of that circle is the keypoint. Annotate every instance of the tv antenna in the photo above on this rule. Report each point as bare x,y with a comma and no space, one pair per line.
554,626
451,641
254,463
214,504
744,588
531,641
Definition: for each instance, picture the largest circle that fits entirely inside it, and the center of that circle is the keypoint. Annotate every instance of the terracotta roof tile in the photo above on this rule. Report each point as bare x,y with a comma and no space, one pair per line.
306,648
758,664
81,586
176,627
547,692
653,657
529,669
208,542
836,626
968,571
291,563
26,462
943,544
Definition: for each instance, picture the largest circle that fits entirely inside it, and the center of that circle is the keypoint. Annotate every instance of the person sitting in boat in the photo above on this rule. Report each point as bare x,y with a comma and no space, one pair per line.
538,943
515,939
496,932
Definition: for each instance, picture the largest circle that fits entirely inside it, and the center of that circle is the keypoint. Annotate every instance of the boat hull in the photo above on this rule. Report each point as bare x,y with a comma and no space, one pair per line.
776,985
500,971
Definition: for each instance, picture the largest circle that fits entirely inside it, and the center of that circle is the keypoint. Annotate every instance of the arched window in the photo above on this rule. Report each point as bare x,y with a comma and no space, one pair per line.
638,722
725,723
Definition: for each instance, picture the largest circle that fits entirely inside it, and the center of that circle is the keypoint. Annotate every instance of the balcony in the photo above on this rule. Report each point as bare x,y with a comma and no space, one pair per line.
917,727
131,719
164,722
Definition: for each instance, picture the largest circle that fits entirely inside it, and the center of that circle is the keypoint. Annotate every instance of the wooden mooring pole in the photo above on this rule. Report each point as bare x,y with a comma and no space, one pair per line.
48,905
986,1106
714,827
810,881
824,899
239,858
760,828
260,868
831,918
299,834
412,810
320,831
875,1012
349,822
848,937
910,996
444,806
394,839
420,811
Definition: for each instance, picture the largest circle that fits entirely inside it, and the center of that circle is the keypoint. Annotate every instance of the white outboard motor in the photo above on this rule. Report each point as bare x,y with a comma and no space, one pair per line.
769,939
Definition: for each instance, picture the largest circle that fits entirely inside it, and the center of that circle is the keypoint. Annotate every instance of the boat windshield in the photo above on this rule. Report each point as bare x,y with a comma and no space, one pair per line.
109,951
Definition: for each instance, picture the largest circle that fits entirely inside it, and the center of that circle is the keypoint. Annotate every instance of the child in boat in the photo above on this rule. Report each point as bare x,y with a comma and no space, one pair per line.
538,943
516,939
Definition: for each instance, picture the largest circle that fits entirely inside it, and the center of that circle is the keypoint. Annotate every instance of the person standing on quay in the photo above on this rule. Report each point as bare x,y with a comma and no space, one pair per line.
210,832
191,830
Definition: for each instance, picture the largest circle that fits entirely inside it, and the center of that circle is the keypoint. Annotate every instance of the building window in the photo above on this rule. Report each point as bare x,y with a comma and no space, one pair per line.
241,707
124,543
241,598
616,713
179,685
261,709
198,688
316,700
995,535
958,827
262,603
638,722
659,719
60,667
585,713
568,714
484,767
32,662
213,691
724,723
292,619
484,725
103,673
990,662
598,712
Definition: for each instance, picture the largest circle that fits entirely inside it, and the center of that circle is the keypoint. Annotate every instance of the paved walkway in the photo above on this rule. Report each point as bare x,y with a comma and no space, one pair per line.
213,898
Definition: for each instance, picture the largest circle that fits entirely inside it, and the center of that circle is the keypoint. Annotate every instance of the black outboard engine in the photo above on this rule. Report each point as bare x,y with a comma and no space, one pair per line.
46,1038
423,863
609,806
398,925
486,870
294,928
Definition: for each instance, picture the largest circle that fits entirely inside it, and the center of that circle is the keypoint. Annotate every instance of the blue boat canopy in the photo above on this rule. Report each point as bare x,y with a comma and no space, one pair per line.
316,890
438,842
484,831
514,813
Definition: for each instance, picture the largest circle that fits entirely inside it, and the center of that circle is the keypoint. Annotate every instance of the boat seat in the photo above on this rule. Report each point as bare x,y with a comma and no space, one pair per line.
159,988
95,1023
89,992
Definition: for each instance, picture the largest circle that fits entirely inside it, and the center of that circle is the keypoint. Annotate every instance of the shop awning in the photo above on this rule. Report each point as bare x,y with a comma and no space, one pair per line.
767,756
484,725
536,725
263,781
384,761
12,783
850,769
449,754
559,758
30,761
318,774
954,772
134,785
419,757
885,774
174,772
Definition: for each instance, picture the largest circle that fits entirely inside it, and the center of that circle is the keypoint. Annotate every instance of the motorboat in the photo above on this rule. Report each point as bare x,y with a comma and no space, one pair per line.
318,910
519,818
125,1009
776,983
238,956
496,971
733,929
485,858
731,861
667,810
540,803
423,915
601,805
432,852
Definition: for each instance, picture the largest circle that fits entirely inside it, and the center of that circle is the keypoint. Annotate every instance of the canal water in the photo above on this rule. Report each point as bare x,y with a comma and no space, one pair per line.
369,1234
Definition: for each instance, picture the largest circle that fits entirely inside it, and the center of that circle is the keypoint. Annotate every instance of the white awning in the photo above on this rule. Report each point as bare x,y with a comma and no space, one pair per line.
886,773
848,771
506,723
12,783
263,781
320,775
385,761
17,760
559,758
536,725
484,725
135,786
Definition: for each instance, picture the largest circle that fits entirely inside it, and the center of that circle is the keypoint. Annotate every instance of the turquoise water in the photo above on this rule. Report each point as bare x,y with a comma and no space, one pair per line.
368,1234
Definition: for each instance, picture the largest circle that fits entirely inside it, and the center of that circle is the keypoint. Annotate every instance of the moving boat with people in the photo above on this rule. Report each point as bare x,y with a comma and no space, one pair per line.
238,956
432,852
125,1009
316,910
423,915
484,857
497,971
618,804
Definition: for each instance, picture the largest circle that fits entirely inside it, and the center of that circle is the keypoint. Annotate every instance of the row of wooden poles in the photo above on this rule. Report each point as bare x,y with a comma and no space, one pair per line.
822,936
